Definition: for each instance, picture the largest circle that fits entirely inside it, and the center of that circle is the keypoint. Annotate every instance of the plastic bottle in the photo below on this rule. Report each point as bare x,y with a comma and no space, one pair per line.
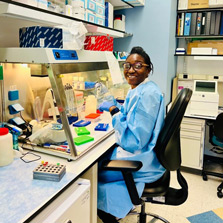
15,141
81,83
91,104
75,82
6,147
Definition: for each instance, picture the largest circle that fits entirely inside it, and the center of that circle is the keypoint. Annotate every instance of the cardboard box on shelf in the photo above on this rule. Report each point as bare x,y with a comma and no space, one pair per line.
215,44
98,43
39,36
194,4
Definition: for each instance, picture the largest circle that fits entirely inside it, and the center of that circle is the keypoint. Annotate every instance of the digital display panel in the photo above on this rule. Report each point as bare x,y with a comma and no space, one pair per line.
205,86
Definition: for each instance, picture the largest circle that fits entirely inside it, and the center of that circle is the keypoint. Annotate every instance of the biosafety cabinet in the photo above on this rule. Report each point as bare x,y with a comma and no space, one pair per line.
56,69
45,68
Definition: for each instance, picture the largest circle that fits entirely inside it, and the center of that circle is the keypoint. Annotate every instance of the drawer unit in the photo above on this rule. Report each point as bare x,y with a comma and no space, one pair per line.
192,142
72,206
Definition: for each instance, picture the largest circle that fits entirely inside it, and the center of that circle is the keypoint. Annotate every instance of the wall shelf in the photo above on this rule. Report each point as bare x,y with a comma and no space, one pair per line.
38,15
201,9
201,37
202,57
120,4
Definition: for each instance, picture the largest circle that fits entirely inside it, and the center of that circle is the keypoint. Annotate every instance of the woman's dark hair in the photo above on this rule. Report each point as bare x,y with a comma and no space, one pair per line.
139,50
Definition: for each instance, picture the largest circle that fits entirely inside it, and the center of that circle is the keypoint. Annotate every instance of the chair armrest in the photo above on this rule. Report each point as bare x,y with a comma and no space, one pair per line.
126,167
121,165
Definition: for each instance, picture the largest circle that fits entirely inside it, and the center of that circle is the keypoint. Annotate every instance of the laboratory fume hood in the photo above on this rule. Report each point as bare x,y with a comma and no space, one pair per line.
57,62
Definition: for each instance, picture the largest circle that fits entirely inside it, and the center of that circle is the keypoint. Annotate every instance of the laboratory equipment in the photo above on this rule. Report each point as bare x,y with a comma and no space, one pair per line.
91,104
50,99
45,132
37,109
2,111
55,63
82,140
13,93
6,147
102,93
70,99
101,127
101,90
205,98
50,172
81,123
16,132
82,131
94,117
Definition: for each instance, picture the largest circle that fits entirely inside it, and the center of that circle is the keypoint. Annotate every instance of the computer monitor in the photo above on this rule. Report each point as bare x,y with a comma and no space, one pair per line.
205,86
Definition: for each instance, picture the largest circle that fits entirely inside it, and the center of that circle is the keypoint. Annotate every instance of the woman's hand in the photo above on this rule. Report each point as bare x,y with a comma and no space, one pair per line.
106,106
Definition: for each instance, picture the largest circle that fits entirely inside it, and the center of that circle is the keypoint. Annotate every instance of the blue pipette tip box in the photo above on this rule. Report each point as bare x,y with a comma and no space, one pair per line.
81,123
101,127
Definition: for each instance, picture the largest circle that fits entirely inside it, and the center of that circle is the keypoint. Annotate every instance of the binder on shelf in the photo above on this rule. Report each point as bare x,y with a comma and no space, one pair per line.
221,25
193,23
187,24
207,23
203,22
178,24
212,26
217,23
182,24
198,24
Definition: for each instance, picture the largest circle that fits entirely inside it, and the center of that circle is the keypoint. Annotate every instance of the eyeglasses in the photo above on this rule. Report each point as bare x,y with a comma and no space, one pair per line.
136,66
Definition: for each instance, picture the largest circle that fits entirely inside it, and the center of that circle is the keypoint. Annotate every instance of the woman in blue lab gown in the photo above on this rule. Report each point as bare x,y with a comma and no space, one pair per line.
137,124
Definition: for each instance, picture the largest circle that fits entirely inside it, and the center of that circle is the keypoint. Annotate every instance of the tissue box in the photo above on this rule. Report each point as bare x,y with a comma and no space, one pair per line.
194,4
98,43
39,36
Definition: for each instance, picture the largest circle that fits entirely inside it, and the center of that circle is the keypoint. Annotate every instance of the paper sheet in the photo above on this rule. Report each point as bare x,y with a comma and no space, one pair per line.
114,68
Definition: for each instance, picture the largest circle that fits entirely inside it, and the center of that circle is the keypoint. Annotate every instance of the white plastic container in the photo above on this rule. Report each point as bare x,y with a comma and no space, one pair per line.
6,147
75,83
91,105
42,4
81,83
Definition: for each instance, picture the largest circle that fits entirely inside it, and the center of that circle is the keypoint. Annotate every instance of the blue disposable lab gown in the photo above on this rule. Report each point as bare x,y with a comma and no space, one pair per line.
137,126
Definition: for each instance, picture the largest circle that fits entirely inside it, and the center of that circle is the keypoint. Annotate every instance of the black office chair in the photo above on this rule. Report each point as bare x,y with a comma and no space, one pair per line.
216,139
168,151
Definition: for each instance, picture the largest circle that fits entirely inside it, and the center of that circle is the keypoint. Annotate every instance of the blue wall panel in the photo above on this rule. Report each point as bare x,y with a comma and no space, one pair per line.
153,28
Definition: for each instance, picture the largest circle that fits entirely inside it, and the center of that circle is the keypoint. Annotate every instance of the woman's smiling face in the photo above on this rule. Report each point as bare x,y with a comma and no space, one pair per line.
137,75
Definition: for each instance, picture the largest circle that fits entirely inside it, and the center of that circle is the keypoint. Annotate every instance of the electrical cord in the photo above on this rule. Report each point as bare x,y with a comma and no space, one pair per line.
28,153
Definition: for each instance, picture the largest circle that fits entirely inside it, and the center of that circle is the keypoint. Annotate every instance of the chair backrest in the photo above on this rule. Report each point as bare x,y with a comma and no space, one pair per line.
218,127
167,147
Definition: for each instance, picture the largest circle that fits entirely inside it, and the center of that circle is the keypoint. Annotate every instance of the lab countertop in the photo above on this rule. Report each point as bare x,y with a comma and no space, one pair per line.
22,196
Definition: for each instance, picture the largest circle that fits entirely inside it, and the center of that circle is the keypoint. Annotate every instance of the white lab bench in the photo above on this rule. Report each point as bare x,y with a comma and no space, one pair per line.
24,199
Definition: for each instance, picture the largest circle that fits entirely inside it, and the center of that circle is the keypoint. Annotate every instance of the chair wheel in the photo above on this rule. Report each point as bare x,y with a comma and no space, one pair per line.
205,178
219,189
220,194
